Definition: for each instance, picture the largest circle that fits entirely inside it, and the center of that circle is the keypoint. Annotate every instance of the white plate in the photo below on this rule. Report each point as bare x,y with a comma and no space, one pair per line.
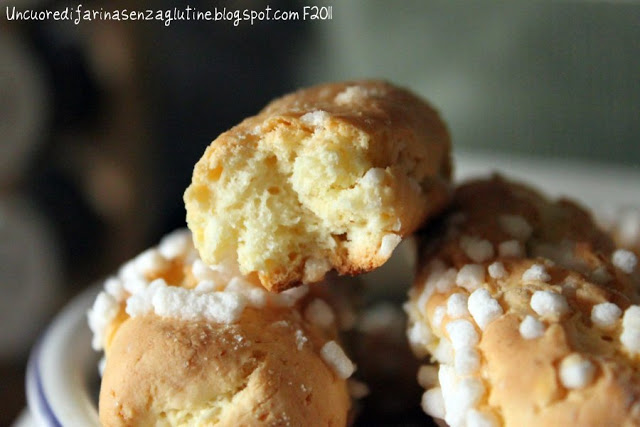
63,367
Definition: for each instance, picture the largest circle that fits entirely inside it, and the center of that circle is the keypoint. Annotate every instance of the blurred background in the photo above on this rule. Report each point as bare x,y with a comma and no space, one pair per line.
102,122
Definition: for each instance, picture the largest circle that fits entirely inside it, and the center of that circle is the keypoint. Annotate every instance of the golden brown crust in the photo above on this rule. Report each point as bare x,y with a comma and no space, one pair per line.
554,224
311,151
390,115
571,258
162,371
247,358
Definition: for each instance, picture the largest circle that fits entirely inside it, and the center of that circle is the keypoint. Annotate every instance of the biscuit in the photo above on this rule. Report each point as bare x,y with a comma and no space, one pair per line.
528,312
329,177
186,344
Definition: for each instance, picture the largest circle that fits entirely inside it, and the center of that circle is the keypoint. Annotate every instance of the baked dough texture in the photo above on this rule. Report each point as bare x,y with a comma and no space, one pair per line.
529,313
187,345
329,177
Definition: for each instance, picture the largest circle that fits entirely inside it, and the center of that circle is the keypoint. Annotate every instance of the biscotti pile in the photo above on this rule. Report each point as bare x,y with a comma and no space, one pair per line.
523,312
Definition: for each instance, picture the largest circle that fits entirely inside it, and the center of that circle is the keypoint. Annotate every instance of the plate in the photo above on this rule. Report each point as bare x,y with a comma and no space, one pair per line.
62,369
62,374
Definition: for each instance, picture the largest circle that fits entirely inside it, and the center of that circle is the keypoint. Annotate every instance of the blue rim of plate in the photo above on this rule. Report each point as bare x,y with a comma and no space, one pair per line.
44,394
38,403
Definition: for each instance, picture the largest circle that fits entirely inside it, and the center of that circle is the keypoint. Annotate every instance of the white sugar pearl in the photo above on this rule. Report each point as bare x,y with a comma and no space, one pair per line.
462,334
531,328
444,352
419,335
470,277
497,270
483,307
631,318
466,361
477,418
576,371
438,315
516,226
605,315
433,402
149,261
547,303
537,273
478,250
457,305
625,260
630,337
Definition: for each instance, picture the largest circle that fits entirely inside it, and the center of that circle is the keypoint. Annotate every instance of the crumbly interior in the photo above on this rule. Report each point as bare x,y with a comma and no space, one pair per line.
291,199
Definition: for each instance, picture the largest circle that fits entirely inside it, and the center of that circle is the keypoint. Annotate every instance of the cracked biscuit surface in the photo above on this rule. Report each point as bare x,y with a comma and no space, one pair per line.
529,312
329,177
190,345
